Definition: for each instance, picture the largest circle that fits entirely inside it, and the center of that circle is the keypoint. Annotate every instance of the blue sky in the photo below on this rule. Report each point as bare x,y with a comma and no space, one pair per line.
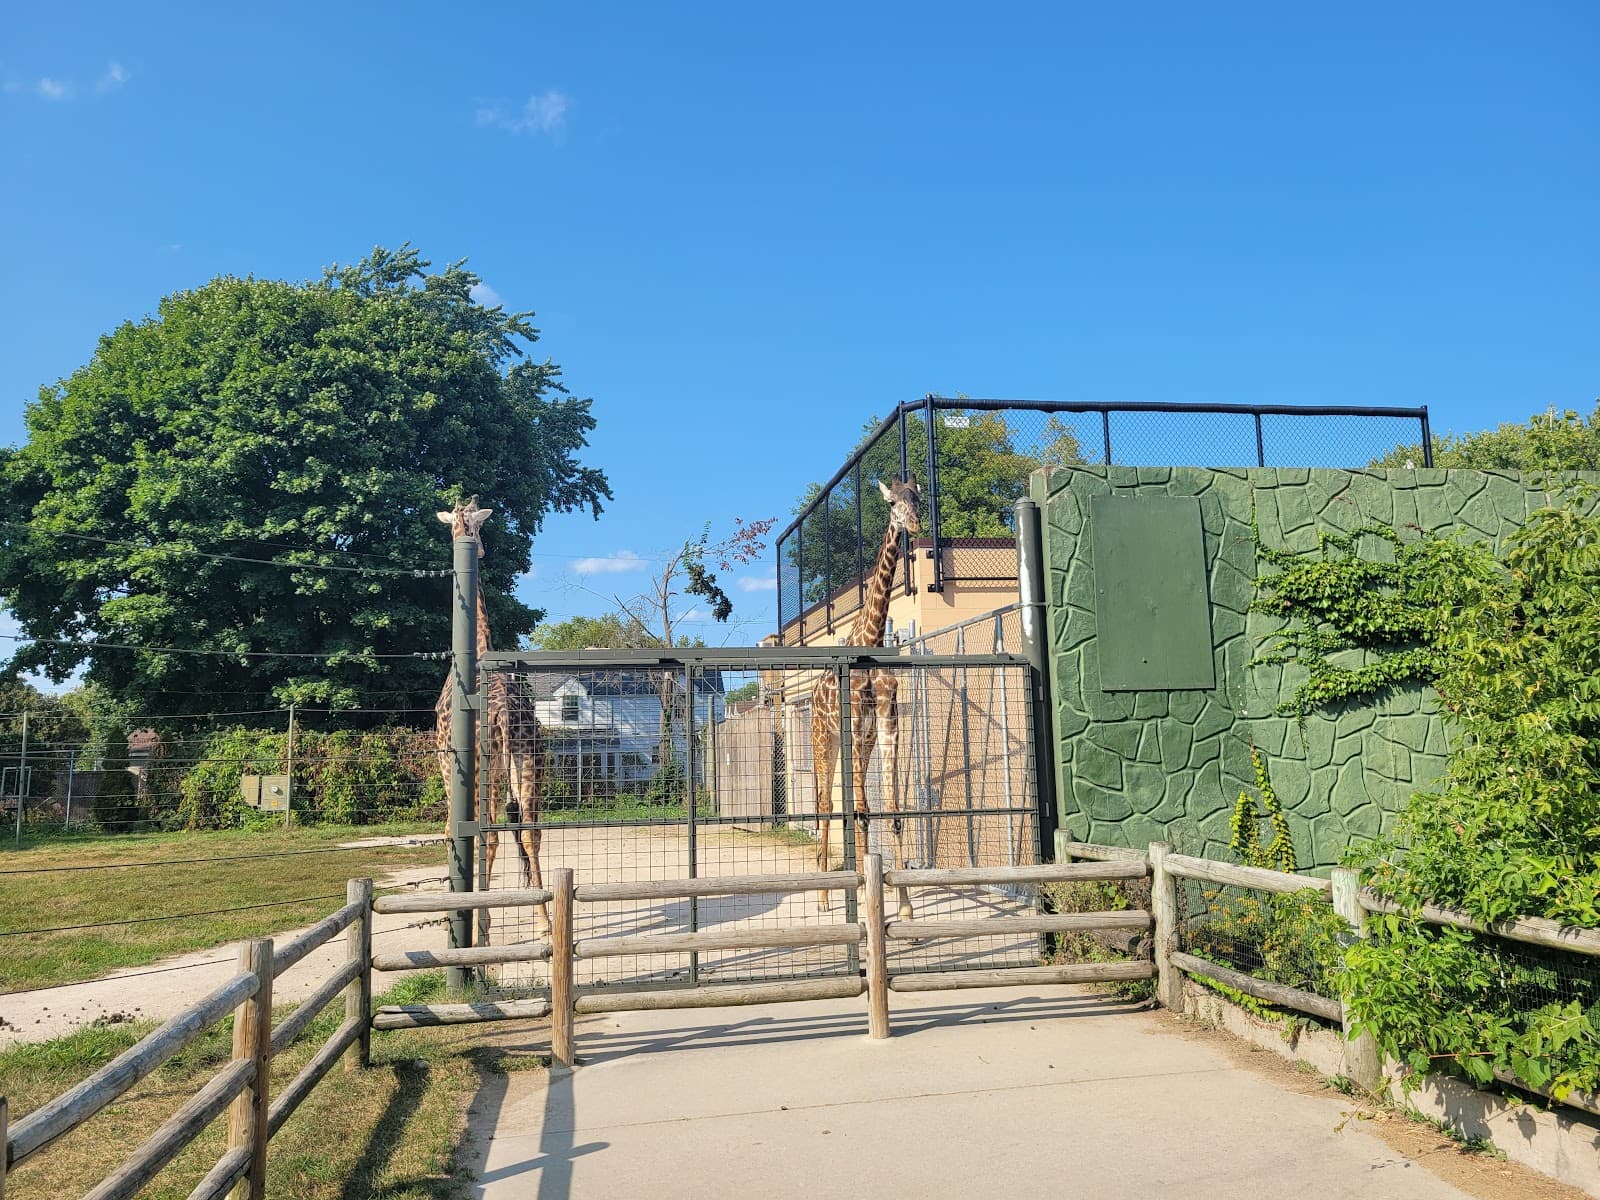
748,228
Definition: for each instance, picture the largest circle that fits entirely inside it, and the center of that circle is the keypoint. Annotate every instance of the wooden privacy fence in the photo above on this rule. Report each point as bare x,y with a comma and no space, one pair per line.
242,1087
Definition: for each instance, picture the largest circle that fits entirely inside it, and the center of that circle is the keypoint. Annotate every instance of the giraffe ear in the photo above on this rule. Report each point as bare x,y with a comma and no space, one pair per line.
887,494
477,517
447,517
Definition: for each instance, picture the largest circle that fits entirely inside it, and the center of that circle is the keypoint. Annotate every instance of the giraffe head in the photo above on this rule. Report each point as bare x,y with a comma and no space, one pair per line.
466,519
903,498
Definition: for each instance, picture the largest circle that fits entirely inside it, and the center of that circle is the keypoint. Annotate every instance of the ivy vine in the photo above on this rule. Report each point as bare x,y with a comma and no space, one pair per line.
1337,599
1245,824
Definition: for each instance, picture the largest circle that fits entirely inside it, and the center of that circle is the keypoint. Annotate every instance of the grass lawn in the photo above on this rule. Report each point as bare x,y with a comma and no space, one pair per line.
390,1131
118,890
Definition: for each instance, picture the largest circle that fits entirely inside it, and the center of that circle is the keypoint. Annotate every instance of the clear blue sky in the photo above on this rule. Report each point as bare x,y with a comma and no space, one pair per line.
747,228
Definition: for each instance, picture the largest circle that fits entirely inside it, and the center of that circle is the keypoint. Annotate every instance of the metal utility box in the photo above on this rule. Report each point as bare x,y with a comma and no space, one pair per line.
269,793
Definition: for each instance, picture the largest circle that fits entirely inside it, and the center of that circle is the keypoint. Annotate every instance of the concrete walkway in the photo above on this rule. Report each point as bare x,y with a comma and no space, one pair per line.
1011,1092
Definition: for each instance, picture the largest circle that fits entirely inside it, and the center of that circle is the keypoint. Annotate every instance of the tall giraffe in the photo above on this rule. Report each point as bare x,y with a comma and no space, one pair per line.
874,719
509,728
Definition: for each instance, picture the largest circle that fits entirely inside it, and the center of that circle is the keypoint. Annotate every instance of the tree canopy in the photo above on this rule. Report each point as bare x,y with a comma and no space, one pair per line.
1545,442
254,423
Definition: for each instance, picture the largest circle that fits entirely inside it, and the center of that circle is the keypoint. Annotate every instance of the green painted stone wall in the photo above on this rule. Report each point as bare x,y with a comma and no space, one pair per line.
1137,767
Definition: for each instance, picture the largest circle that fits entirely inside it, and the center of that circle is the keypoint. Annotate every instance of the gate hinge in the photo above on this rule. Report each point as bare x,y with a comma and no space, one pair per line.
465,829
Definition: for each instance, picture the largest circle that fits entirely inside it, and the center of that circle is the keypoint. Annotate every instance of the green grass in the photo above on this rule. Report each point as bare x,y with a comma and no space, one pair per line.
391,1131
314,882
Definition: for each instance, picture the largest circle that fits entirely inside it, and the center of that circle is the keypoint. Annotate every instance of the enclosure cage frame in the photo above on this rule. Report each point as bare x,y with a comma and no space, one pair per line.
795,552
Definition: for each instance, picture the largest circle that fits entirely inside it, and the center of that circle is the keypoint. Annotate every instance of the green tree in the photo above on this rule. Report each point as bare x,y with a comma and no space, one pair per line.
320,424
1546,442
611,631
984,464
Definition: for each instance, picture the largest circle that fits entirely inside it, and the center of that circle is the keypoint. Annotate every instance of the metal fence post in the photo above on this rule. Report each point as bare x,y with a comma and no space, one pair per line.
22,777
562,1052
1036,649
1427,439
1164,908
690,804
934,499
1362,1063
252,1039
463,731
847,792
5,1146
358,995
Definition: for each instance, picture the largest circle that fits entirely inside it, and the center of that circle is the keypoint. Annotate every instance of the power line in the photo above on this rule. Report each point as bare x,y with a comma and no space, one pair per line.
351,656
408,572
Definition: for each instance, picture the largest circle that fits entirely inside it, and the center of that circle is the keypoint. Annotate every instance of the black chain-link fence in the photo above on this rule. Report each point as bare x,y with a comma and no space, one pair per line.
973,458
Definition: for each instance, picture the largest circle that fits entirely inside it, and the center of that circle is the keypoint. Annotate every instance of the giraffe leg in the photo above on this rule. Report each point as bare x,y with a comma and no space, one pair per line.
824,745
886,692
862,738
525,786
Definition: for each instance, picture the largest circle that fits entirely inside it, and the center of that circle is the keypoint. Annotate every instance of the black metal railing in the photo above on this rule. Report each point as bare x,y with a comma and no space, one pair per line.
973,459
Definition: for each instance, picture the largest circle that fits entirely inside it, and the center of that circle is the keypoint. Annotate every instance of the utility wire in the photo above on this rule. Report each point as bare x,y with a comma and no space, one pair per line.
408,572
352,656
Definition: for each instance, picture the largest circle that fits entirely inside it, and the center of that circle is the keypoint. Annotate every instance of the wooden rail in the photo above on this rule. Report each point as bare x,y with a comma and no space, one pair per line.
1259,879
1537,931
240,1088
1001,876
728,885
433,902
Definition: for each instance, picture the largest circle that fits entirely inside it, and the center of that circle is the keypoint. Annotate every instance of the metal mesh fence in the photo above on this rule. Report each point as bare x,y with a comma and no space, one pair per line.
620,749
974,458
111,774
1295,939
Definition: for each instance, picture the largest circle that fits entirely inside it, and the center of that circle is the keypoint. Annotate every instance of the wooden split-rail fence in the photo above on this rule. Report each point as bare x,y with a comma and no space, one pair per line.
242,1088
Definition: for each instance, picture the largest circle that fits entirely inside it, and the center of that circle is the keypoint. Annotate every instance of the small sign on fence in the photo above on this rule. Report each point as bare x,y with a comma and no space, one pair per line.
269,793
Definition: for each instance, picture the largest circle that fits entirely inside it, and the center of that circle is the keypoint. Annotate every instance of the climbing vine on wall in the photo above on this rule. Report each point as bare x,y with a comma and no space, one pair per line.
1359,613
1245,824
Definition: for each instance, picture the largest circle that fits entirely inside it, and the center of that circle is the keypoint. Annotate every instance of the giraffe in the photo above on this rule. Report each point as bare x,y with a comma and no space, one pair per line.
510,729
874,719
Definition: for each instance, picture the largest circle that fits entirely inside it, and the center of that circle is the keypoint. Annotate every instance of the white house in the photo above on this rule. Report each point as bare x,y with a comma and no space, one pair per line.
602,729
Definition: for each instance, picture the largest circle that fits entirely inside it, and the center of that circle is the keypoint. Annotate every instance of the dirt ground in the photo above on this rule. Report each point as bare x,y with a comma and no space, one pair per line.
1478,1173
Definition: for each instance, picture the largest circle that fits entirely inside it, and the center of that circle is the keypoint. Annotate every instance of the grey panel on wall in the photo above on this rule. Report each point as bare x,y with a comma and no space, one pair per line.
1152,606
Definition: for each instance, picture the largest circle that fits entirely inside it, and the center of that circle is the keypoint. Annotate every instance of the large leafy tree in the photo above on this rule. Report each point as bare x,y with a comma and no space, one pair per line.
1548,441
318,424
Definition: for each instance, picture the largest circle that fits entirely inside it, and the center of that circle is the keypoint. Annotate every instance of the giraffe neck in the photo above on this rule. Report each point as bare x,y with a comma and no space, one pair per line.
868,627
484,644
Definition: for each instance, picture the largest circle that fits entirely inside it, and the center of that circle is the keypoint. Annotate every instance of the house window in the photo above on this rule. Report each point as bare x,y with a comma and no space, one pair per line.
569,710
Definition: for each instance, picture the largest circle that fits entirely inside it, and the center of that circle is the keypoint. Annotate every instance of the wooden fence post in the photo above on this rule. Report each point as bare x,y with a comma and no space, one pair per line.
877,960
358,995
1164,908
561,998
252,1039
1362,1063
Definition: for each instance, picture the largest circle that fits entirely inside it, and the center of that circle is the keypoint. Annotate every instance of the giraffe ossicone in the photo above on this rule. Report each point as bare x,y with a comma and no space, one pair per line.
874,715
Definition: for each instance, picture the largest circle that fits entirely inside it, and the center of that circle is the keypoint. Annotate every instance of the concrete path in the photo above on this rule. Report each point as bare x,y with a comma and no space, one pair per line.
1011,1092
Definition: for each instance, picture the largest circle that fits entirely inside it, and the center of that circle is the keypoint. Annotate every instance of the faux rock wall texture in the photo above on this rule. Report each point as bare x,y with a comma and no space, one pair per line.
1137,767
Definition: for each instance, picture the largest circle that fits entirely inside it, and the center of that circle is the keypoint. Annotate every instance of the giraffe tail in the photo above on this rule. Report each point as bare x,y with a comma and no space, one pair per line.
514,813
